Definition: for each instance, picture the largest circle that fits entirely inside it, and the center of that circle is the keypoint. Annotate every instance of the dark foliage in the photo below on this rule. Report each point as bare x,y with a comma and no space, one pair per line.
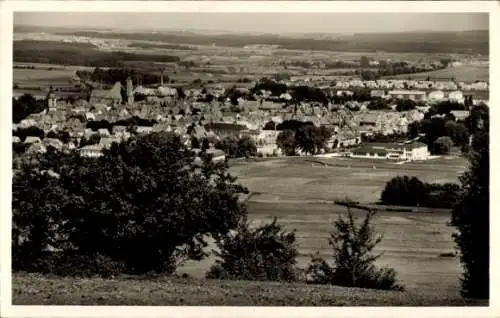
25,106
353,259
243,147
113,75
309,94
471,215
63,135
265,253
445,107
92,140
436,127
195,143
129,122
266,84
292,124
31,131
307,137
312,139
378,104
442,145
18,148
123,206
205,144
405,105
406,191
286,142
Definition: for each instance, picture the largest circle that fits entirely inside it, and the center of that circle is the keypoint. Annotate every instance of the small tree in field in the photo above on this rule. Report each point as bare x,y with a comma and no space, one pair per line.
353,257
443,145
264,253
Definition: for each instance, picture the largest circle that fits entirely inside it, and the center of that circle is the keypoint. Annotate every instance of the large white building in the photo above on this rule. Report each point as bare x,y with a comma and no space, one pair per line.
395,151
408,94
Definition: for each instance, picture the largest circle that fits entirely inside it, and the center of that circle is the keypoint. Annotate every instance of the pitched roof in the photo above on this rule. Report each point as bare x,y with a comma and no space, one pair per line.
113,93
31,139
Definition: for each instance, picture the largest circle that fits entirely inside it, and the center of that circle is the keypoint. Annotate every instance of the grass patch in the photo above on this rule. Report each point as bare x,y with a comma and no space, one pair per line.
32,289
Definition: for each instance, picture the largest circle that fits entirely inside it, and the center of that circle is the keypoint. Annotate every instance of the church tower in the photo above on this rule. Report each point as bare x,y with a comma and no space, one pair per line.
52,98
129,90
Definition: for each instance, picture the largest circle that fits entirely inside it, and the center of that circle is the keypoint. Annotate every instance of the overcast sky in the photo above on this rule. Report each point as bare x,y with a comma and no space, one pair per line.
263,22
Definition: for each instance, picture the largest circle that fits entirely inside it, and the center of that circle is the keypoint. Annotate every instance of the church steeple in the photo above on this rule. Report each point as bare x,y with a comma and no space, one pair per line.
52,98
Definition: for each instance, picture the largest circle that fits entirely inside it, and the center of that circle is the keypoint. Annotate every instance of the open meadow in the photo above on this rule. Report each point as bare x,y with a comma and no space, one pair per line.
301,196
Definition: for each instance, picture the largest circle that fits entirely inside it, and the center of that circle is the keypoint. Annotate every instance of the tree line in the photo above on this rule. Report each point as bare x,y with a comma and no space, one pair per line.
112,75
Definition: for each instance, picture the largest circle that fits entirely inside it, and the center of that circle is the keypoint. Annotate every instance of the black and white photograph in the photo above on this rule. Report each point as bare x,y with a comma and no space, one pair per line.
245,158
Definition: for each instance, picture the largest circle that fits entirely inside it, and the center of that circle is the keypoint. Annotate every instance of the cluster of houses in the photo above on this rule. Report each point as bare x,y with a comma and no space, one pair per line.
387,84
162,107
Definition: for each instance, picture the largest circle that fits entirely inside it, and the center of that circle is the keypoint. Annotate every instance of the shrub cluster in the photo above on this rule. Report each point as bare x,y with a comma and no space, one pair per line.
243,147
262,253
308,138
406,191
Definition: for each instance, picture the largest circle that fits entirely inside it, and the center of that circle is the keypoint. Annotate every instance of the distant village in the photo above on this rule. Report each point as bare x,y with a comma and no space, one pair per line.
207,113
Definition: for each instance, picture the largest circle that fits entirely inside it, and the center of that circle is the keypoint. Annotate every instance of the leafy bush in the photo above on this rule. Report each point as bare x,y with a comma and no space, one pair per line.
406,191
264,253
442,145
145,203
353,259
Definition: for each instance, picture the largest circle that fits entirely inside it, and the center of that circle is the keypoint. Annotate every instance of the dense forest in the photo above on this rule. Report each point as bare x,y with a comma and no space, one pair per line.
469,42
53,52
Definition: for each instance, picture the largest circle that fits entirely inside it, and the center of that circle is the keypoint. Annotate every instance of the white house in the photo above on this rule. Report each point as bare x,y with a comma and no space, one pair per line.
92,151
32,140
435,96
460,114
456,96
407,94
103,132
144,129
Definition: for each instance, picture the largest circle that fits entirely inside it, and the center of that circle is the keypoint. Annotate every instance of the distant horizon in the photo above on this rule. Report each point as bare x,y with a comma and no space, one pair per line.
268,23
249,32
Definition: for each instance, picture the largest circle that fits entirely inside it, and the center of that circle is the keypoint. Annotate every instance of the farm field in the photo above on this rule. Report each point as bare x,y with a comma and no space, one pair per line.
42,76
299,179
301,196
465,73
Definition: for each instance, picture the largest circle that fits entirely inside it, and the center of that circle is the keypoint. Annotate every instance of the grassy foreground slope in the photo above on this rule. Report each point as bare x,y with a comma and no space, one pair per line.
32,289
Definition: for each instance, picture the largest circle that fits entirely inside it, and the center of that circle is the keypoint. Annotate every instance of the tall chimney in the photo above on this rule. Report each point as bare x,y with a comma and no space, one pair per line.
161,78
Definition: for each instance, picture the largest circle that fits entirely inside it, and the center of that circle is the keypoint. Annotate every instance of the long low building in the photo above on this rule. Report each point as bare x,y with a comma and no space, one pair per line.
395,151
